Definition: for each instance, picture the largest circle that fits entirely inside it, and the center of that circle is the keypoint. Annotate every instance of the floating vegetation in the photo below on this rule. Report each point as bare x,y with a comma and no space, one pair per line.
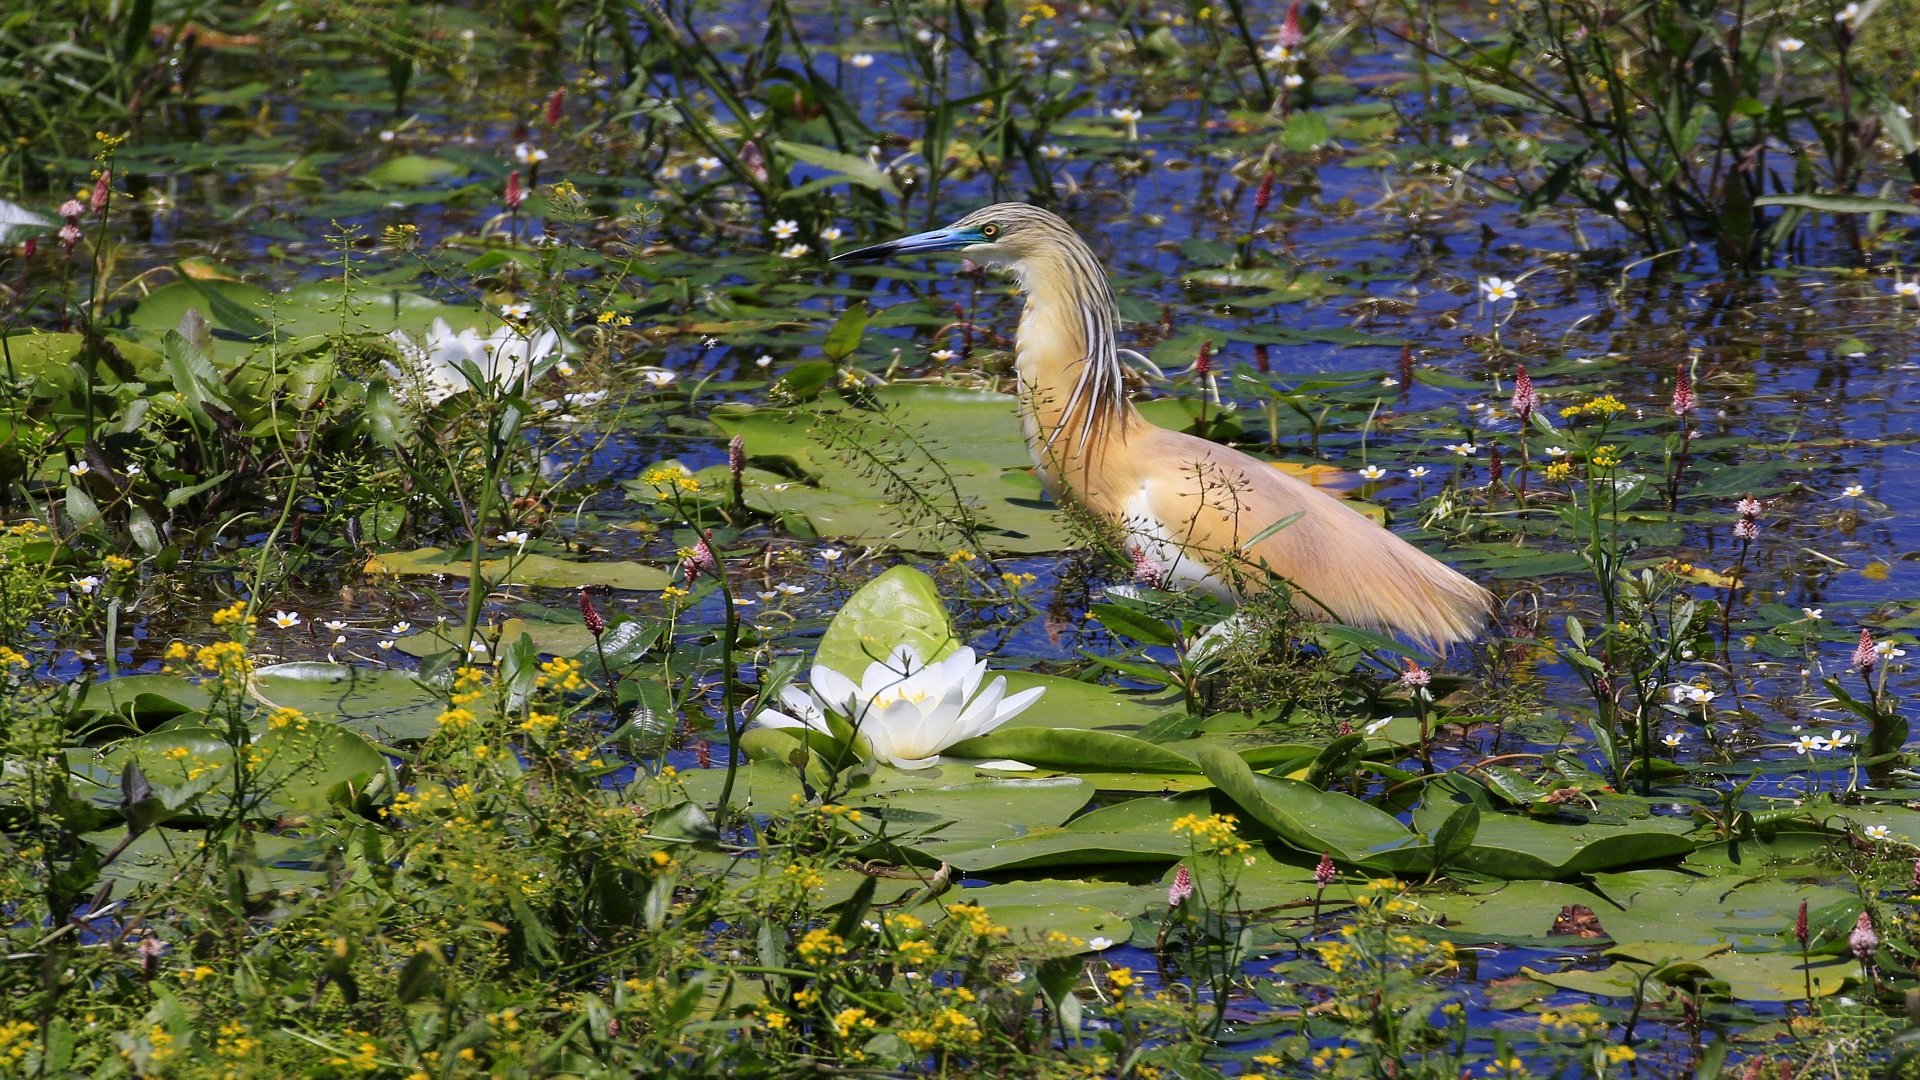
483,594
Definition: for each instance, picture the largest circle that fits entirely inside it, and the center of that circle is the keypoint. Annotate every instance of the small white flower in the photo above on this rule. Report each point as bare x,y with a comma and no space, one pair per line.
1389,381
386,136
1374,727
1888,650
659,378
334,625
1908,288
1496,290
1703,696
529,155
742,601
133,470
795,251
1051,151
385,644
1373,472
1675,739
340,640
1877,832
942,355
831,233
1840,739
768,595
764,361
286,620
565,369
707,164
1279,54
1417,471
513,536
1808,744
1461,141
1125,116
1811,612
791,590
84,584
861,60
399,628
515,312
1622,205
1557,451
1294,82
1016,977
80,469
1849,14
1099,944
785,229
1790,44
832,554
1854,491
1522,144
1465,449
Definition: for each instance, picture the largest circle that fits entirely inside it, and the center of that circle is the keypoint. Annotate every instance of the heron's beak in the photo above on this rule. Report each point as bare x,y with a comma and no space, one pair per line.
917,244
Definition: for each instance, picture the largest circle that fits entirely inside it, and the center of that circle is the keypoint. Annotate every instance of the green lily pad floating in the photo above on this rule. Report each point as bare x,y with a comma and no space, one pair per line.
45,359
1062,916
900,607
156,857
905,465
250,311
1739,976
300,765
389,706
1067,749
1514,847
543,571
414,170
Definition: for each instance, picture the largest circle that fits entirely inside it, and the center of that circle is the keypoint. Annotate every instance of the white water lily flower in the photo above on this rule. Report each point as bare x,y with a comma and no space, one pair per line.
906,709
436,369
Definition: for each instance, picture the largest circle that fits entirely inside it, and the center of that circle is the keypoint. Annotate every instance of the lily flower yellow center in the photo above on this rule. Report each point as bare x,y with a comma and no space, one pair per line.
904,709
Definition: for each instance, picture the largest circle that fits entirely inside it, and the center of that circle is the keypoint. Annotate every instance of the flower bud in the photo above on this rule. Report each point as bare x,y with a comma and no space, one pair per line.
1262,359
1863,941
1800,926
1204,364
1181,888
737,457
1147,571
595,624
1264,196
1525,400
554,105
1683,400
1291,36
71,210
1865,656
515,194
102,190
1415,676
1323,874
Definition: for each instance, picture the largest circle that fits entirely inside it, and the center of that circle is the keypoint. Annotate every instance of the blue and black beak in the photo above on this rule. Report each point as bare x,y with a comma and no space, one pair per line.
926,243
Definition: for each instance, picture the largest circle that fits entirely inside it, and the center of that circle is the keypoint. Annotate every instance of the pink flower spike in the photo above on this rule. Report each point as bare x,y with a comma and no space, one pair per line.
1147,571
1863,941
1291,36
595,624
1181,888
1415,676
1323,874
1865,656
1683,401
102,188
554,105
515,193
700,558
1525,398
71,210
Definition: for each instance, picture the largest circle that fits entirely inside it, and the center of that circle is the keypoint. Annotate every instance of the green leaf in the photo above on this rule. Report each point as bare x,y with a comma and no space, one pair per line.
900,607
538,570
1068,749
414,170
844,337
1315,821
846,169
1839,204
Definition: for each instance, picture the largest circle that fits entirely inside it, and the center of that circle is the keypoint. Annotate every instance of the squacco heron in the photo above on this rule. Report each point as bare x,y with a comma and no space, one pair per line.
1205,513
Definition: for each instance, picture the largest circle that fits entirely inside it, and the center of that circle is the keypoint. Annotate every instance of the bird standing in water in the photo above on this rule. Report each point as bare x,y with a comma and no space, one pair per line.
1204,512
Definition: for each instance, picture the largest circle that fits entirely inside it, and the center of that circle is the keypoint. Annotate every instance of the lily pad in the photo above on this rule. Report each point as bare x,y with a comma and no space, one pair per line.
900,607
543,571
390,706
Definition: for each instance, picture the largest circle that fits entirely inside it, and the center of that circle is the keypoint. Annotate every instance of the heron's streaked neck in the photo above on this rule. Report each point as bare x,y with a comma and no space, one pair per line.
1071,386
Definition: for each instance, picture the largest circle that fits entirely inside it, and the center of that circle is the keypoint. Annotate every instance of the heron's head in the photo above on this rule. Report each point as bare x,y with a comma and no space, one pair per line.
1004,234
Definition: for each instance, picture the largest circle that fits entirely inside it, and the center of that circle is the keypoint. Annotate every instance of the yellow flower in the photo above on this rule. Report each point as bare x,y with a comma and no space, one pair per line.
1605,457
232,613
1559,470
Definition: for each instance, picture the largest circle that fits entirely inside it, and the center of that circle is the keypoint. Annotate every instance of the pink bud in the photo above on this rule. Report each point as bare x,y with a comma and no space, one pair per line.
1147,571
69,236
1263,197
1800,933
1181,888
515,194
1262,360
1323,874
1750,507
703,754
1204,364
71,210
700,558
1495,467
737,457
595,624
1683,402
1406,368
1746,529
1865,656
1525,399
554,105
1863,941
102,188
1291,36
30,247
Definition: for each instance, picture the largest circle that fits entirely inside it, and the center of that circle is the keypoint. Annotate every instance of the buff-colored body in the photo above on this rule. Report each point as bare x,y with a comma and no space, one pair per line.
1192,505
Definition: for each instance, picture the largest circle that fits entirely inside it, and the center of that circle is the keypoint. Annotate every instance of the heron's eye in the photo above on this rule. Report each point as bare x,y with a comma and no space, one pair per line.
990,230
